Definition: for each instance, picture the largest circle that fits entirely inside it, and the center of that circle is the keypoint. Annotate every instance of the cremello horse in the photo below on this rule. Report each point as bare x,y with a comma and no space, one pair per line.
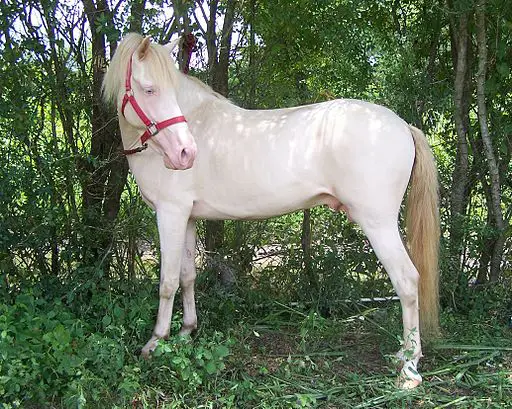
225,162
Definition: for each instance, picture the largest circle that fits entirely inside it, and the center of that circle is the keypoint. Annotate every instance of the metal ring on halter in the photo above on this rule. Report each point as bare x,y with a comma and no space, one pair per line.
152,128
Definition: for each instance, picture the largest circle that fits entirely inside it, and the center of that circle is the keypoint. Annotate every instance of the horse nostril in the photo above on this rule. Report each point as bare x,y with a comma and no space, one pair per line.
184,155
187,156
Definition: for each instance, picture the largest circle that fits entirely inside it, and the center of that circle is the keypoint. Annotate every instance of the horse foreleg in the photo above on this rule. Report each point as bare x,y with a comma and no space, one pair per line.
171,228
387,244
187,280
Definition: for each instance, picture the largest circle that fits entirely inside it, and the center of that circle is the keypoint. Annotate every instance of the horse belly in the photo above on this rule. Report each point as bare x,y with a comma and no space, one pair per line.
240,211
254,209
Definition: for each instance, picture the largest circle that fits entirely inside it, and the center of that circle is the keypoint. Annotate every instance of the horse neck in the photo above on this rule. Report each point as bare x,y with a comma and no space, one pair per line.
192,95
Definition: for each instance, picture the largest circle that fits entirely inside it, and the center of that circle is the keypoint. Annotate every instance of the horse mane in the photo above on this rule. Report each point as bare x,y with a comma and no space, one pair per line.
207,88
163,69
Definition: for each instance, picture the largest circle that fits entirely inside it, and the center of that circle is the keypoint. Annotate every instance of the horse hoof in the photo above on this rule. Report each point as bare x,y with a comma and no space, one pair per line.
408,383
146,353
409,376
149,348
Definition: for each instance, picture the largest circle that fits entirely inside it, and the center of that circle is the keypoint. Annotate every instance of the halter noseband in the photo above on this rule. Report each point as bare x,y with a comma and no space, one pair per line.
152,128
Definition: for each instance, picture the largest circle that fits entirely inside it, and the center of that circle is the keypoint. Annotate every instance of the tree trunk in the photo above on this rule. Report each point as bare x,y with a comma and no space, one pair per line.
218,61
305,241
106,175
495,207
136,15
460,173
211,40
435,42
486,242
183,23
252,63
220,74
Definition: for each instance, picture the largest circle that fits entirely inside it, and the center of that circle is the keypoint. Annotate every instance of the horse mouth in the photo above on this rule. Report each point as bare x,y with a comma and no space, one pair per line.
170,164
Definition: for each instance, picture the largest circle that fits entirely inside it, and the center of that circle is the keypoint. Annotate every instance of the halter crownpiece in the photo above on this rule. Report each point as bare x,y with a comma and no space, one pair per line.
152,128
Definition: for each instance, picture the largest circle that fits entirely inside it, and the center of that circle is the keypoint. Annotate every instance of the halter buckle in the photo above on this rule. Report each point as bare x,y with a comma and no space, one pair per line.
152,128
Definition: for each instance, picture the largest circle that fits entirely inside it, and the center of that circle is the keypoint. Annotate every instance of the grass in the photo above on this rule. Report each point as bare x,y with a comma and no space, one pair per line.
264,354
330,363
292,357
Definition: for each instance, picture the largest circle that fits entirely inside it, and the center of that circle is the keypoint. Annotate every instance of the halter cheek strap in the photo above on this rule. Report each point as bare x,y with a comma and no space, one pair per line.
152,128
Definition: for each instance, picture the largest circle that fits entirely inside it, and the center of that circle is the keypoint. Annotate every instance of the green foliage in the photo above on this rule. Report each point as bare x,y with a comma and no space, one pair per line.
273,355
190,364
71,322
48,352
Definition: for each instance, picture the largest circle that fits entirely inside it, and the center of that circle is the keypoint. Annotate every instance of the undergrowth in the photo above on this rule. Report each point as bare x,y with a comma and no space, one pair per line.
249,352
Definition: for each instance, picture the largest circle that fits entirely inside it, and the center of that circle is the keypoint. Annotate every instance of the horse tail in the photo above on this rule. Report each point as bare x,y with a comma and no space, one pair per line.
423,232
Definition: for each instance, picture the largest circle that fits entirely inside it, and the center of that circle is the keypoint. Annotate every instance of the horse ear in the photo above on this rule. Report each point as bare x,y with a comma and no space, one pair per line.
143,48
171,45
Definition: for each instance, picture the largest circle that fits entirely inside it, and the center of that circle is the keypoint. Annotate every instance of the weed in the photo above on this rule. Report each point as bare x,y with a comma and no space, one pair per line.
277,356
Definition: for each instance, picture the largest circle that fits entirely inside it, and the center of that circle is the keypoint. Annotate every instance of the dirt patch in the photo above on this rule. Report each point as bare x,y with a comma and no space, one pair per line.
356,354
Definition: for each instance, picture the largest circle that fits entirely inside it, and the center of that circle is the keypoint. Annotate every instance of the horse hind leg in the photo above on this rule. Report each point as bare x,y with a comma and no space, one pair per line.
387,243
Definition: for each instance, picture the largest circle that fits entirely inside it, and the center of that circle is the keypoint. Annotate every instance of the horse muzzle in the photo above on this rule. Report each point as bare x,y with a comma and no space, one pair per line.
182,159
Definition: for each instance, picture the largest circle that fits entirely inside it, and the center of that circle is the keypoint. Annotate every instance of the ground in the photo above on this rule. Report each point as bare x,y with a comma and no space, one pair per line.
248,352
294,358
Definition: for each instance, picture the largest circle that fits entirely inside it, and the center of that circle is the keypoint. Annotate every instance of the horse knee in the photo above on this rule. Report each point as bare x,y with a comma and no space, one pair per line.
187,279
168,288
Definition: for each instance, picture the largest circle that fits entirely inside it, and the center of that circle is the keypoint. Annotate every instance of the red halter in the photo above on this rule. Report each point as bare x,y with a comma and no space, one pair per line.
152,128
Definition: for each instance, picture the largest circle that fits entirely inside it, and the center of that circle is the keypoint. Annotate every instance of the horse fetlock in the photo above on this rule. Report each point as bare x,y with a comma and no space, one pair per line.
187,329
409,354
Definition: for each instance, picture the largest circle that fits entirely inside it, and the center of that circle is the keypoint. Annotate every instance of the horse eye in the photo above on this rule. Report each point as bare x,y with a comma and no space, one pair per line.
149,91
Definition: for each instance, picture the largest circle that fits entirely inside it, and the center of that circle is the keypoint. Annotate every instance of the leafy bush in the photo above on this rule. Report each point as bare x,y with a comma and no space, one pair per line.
192,363
48,352
51,354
